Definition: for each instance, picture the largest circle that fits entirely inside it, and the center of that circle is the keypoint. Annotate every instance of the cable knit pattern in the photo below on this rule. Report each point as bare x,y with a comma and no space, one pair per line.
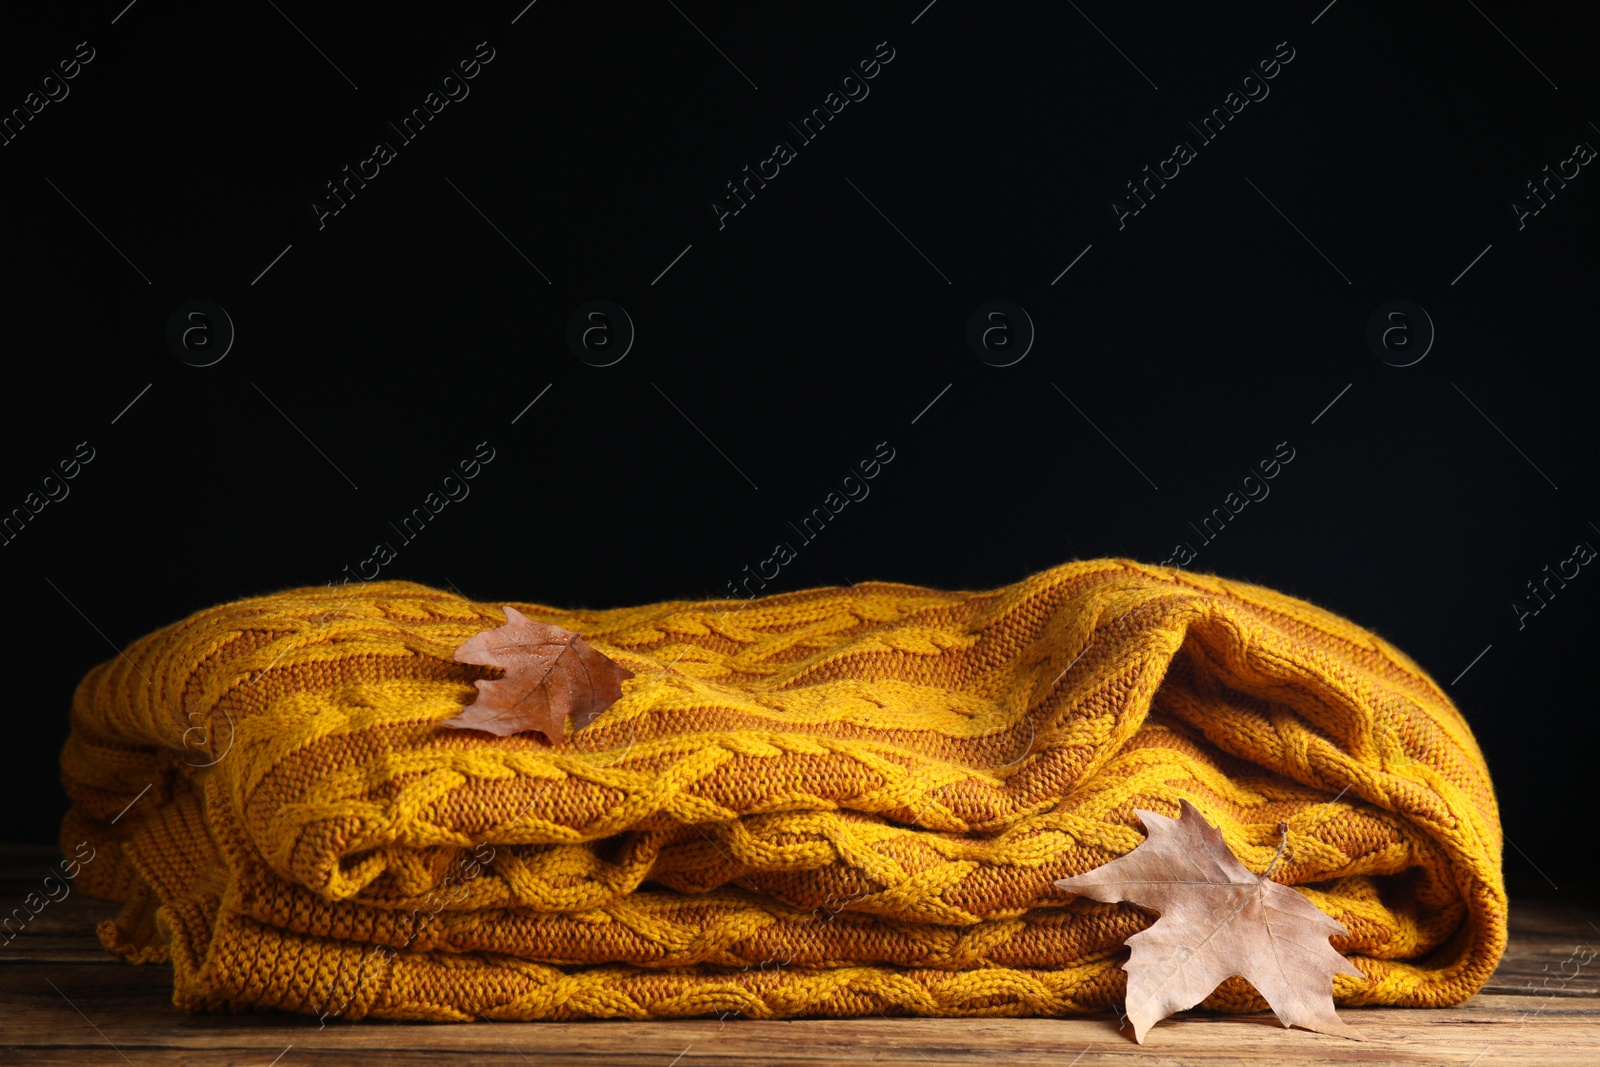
839,801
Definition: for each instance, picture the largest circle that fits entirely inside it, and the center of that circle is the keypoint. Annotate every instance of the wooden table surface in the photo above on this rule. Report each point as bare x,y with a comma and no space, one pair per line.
63,999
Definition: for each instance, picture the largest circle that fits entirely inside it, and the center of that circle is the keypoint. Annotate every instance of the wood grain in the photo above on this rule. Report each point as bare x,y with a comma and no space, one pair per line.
67,1002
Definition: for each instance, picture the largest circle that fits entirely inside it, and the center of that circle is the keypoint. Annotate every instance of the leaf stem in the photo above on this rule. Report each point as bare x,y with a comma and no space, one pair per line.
1283,828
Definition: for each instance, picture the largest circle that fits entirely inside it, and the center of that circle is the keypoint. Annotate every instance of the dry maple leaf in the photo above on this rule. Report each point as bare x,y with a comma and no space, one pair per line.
551,674
1217,920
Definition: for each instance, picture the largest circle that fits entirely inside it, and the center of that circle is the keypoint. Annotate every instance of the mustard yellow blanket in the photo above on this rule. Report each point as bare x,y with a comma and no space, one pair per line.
841,801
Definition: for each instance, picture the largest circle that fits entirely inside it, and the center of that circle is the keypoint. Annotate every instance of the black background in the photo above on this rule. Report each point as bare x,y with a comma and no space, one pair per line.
821,320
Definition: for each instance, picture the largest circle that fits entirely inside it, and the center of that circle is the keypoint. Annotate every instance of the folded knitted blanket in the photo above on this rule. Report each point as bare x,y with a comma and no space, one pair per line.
840,801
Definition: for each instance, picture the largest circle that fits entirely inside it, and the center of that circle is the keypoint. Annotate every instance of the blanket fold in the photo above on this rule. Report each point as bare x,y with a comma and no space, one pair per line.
838,801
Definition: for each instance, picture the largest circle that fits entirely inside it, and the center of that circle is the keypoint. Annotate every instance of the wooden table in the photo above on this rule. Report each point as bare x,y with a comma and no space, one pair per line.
63,999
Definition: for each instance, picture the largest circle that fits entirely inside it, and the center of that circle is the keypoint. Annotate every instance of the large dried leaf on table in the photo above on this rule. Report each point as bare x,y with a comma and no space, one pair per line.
551,675
1218,919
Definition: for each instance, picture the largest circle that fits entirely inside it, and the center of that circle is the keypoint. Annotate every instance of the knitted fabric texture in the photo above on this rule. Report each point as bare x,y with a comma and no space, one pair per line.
840,801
